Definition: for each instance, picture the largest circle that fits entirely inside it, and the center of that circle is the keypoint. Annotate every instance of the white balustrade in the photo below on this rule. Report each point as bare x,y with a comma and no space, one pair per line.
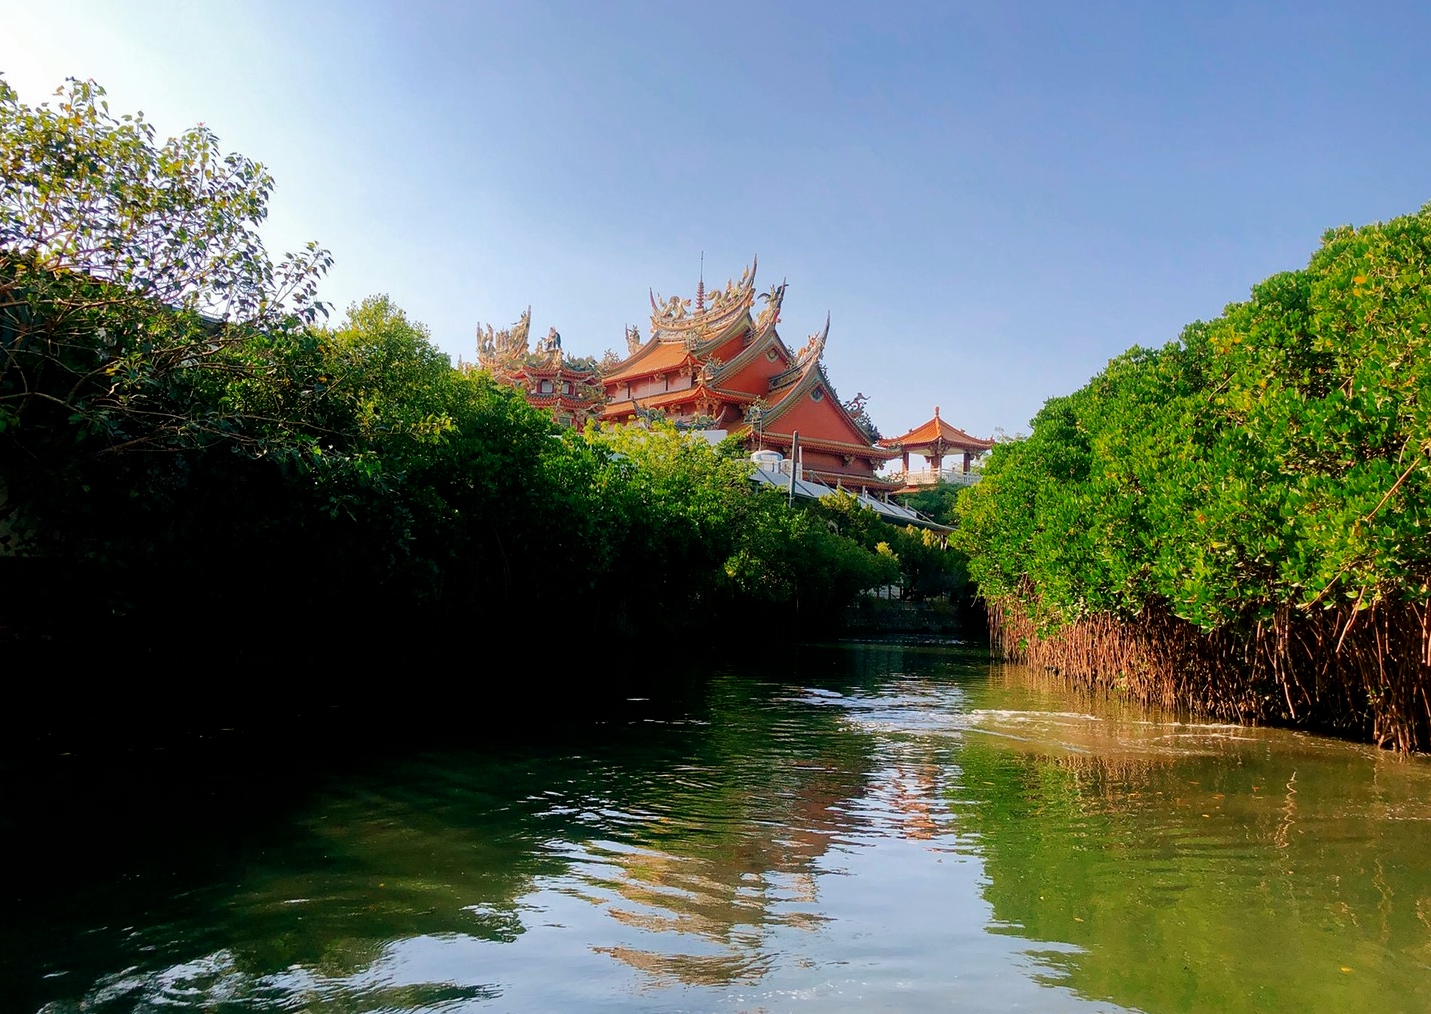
930,476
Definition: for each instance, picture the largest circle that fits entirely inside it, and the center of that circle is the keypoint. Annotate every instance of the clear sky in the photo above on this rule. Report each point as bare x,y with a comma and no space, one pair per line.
990,199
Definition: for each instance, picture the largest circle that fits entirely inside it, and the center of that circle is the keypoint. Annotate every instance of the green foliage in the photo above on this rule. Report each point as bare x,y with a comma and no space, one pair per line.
936,502
1276,456
915,558
399,386
133,284
175,420
673,534
89,193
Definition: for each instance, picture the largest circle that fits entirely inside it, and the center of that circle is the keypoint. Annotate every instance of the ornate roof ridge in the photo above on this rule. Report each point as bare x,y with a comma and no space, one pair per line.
502,349
853,414
705,320
811,351
700,344
552,370
757,345
732,393
789,394
674,314
815,373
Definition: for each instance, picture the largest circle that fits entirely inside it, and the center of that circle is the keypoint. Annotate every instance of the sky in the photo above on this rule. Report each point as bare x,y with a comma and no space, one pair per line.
990,200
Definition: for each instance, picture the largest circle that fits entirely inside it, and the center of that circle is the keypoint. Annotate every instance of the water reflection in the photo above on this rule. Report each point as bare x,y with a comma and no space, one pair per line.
721,851
1204,867
865,828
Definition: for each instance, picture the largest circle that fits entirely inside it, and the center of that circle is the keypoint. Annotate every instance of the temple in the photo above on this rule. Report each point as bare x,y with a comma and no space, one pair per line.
934,440
720,365
716,363
567,388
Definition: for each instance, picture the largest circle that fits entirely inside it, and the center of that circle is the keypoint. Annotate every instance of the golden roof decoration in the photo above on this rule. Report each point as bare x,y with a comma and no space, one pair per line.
770,314
712,310
549,348
810,354
668,312
497,350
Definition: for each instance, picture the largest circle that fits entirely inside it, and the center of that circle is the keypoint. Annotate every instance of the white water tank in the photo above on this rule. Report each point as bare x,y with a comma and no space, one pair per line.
767,459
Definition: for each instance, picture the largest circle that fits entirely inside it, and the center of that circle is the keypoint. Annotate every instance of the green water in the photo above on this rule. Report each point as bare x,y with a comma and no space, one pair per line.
858,828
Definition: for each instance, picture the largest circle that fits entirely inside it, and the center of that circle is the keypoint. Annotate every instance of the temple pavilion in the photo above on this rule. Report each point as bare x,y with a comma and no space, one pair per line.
567,388
719,364
934,441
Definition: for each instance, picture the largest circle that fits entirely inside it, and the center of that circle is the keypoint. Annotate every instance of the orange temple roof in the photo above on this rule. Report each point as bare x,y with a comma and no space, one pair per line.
936,431
744,378
653,358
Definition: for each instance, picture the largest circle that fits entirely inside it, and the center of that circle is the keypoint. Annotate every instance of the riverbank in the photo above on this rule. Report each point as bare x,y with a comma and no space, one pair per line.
1362,676
1239,521
876,617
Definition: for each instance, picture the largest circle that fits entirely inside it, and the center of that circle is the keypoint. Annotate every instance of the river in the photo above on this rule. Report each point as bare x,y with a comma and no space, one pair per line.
846,828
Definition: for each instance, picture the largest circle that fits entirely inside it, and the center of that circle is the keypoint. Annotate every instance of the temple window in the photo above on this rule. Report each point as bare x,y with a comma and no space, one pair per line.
545,387
817,394
771,354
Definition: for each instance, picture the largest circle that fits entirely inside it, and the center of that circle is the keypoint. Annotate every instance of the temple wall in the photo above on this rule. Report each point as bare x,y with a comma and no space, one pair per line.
822,420
755,378
647,387
730,349
824,461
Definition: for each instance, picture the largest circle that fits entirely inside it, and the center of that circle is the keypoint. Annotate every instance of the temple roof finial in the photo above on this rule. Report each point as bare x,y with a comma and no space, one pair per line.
701,285
936,411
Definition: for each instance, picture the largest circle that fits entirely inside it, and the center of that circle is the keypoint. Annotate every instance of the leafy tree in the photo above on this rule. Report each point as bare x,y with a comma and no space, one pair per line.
177,421
936,502
1267,478
101,229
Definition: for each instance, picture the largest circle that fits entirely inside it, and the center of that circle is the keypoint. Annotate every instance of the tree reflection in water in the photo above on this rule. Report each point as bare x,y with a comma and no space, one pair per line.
867,827
727,847
1202,867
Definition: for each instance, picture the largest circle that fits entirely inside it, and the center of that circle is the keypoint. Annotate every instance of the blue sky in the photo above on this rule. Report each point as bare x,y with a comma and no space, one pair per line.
991,200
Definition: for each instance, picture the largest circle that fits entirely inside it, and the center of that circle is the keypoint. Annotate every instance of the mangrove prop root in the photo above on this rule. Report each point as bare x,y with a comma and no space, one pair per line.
1362,673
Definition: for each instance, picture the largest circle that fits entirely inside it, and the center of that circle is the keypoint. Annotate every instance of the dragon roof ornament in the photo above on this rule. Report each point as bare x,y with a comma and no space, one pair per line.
713,309
857,410
770,314
669,312
810,354
549,348
504,348
734,292
814,347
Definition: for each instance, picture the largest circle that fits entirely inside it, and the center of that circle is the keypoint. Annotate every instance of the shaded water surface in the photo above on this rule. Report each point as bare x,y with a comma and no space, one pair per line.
862,828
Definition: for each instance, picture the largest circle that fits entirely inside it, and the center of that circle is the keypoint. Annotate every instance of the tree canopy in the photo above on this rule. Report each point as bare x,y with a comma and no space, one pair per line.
180,419
1268,473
